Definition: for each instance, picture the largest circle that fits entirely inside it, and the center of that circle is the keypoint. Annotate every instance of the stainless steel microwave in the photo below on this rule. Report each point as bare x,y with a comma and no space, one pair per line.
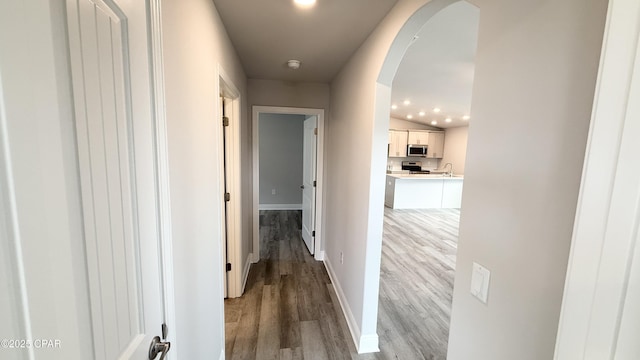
417,150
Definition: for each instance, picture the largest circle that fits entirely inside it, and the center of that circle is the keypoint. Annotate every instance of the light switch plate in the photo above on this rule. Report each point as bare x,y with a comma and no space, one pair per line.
480,277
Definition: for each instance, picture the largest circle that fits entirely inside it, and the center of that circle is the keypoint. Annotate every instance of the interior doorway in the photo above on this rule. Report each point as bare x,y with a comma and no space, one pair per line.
296,185
430,113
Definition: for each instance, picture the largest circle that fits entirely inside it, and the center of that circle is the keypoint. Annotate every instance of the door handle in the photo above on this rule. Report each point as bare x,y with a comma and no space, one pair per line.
158,347
302,187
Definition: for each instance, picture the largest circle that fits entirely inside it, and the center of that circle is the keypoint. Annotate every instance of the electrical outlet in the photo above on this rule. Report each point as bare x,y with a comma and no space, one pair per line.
273,191
341,258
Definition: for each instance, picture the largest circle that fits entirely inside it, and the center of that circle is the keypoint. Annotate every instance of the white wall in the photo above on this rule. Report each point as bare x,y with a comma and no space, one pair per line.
41,237
195,43
289,94
455,148
281,140
517,214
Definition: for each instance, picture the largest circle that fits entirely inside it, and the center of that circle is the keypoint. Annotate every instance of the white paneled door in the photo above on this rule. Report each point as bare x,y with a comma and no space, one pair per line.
109,49
308,182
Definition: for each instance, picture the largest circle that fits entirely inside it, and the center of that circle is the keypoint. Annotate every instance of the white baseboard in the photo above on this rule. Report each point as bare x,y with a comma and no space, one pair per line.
364,343
368,344
319,256
254,257
245,272
280,207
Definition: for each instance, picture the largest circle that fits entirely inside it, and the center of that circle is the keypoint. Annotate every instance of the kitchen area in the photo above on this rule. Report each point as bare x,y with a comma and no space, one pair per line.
417,177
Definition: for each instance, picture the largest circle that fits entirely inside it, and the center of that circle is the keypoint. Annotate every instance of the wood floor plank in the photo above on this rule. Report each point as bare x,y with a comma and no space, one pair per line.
291,354
244,347
312,348
289,320
269,327
230,331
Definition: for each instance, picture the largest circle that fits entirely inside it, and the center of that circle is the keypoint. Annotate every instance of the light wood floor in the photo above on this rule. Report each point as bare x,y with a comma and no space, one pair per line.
289,309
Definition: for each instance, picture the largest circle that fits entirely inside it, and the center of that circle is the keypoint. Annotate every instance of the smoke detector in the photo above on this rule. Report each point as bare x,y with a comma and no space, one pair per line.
293,64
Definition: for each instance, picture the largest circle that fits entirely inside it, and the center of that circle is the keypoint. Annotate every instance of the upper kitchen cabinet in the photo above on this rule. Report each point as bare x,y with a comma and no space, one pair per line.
397,143
436,145
418,138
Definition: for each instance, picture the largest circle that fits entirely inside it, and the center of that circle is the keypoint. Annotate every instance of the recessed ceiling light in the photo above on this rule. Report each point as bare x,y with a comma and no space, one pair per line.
466,117
447,120
421,113
436,110
304,2
409,116
434,122
406,102
293,64
394,106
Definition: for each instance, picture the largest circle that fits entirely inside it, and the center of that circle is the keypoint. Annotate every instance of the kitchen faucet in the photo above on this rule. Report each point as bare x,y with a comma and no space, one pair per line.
450,173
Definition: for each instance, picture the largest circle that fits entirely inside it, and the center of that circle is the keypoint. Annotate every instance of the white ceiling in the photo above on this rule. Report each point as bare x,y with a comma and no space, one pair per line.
267,33
437,69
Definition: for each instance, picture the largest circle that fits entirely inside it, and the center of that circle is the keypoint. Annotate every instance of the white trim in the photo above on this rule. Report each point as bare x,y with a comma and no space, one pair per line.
280,207
319,225
227,88
363,343
221,357
245,272
368,344
256,111
161,154
596,308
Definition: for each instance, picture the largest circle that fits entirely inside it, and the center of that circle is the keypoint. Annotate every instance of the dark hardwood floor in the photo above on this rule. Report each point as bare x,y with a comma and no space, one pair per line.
290,311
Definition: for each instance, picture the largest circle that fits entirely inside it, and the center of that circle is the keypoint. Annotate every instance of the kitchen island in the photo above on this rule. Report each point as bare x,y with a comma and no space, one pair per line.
423,191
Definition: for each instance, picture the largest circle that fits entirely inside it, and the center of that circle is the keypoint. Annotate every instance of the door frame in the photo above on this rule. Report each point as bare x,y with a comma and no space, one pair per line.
161,153
236,277
601,290
256,111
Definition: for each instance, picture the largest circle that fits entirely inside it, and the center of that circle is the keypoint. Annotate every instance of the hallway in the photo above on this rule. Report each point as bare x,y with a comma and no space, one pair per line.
289,309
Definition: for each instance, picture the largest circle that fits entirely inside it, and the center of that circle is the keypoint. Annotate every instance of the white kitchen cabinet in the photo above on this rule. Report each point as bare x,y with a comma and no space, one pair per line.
436,145
418,137
397,143
452,193
423,192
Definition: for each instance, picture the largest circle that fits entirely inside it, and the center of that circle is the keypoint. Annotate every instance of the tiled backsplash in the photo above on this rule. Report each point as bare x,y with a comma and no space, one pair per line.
395,164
